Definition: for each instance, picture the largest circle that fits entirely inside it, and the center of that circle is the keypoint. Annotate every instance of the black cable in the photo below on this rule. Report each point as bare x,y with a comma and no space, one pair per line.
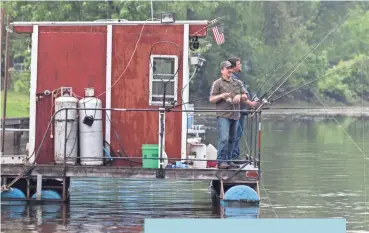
121,144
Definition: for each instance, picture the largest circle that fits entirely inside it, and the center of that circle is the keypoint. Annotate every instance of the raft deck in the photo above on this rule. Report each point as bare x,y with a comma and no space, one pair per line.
56,171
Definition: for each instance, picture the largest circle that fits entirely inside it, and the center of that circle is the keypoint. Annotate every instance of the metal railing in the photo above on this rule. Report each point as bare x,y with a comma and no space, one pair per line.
251,137
252,126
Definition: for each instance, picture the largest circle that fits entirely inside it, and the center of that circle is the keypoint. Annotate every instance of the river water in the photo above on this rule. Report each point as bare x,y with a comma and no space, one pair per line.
312,168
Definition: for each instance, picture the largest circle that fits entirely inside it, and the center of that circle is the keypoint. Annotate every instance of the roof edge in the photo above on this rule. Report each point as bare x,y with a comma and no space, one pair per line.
104,23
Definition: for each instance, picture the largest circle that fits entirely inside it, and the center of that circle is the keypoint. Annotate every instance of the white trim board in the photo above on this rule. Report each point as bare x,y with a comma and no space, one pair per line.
185,87
109,49
108,22
32,97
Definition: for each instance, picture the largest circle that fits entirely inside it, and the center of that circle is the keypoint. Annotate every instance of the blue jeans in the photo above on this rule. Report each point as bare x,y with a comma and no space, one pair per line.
227,132
240,130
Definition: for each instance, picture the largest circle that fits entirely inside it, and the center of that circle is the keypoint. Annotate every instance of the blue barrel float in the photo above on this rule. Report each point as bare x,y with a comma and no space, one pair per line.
240,193
48,195
13,208
13,193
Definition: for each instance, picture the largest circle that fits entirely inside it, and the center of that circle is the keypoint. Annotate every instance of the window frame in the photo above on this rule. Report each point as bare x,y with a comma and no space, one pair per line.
152,80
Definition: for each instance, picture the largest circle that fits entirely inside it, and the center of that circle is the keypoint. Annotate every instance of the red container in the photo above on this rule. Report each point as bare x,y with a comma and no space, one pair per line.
211,163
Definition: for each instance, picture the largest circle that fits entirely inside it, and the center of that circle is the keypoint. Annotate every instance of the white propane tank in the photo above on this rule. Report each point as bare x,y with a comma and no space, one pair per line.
91,130
66,124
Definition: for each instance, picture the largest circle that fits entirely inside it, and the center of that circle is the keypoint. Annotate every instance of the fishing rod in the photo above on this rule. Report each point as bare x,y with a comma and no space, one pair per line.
299,63
269,74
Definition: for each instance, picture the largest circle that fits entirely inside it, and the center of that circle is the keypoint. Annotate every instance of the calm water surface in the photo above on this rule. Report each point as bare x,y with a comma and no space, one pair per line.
311,169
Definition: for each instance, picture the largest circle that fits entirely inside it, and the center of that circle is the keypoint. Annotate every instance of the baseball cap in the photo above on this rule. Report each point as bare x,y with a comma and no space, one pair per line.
225,64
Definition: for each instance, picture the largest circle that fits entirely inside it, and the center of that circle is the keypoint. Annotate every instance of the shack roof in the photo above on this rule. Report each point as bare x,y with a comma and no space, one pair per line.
197,27
106,22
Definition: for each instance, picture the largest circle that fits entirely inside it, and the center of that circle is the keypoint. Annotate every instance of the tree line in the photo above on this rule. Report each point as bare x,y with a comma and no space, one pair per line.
262,34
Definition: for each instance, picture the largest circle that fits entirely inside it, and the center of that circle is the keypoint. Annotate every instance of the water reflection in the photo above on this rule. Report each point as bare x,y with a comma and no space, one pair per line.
74,217
226,209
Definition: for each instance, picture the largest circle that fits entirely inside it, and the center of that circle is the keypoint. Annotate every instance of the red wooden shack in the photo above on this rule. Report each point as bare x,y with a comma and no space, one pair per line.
97,54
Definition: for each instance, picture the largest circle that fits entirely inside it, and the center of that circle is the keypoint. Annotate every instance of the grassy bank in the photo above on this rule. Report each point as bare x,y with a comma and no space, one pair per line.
17,104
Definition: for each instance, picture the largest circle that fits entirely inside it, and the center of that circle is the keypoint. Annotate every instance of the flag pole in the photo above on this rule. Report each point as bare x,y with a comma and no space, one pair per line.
152,11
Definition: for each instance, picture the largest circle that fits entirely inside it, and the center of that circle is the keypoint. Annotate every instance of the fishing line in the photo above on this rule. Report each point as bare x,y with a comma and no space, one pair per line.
314,80
299,63
363,141
362,152
270,202
269,74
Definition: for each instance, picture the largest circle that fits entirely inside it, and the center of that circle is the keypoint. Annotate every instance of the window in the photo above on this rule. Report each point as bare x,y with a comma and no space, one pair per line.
163,69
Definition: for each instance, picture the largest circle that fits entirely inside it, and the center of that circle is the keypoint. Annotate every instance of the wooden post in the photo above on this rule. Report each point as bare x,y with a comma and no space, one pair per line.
64,189
221,190
6,74
28,189
39,187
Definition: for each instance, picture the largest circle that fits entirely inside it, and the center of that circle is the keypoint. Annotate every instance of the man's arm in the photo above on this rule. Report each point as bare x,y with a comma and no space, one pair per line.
215,94
244,92
215,98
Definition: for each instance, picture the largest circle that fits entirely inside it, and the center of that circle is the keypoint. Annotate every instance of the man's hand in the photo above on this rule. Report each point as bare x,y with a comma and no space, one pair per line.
252,104
226,95
236,99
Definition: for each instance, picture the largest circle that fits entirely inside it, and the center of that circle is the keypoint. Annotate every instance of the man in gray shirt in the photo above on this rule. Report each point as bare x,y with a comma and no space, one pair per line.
227,93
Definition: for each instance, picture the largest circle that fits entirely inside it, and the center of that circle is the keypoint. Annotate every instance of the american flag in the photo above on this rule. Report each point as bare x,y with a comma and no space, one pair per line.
218,35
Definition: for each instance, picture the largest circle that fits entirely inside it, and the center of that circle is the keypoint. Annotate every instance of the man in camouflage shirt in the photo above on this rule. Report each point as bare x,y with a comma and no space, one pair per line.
227,93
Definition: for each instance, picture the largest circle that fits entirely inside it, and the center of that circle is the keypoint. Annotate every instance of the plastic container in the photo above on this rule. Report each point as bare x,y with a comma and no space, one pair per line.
211,155
199,150
150,156
189,121
150,151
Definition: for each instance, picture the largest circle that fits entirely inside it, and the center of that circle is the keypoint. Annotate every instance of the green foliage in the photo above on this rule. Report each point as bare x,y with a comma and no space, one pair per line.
17,104
260,33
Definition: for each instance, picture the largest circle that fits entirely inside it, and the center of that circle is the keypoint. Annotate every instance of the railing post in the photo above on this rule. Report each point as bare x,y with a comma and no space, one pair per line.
249,135
38,187
161,172
259,142
255,130
65,139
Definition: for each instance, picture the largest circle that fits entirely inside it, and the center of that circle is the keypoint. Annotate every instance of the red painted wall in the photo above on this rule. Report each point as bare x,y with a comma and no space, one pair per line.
132,89
76,56
67,56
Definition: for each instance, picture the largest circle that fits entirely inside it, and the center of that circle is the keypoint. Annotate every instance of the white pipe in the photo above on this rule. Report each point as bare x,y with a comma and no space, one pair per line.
15,130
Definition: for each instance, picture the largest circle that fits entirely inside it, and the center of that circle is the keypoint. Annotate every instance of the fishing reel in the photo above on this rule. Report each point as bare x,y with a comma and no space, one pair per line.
262,103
